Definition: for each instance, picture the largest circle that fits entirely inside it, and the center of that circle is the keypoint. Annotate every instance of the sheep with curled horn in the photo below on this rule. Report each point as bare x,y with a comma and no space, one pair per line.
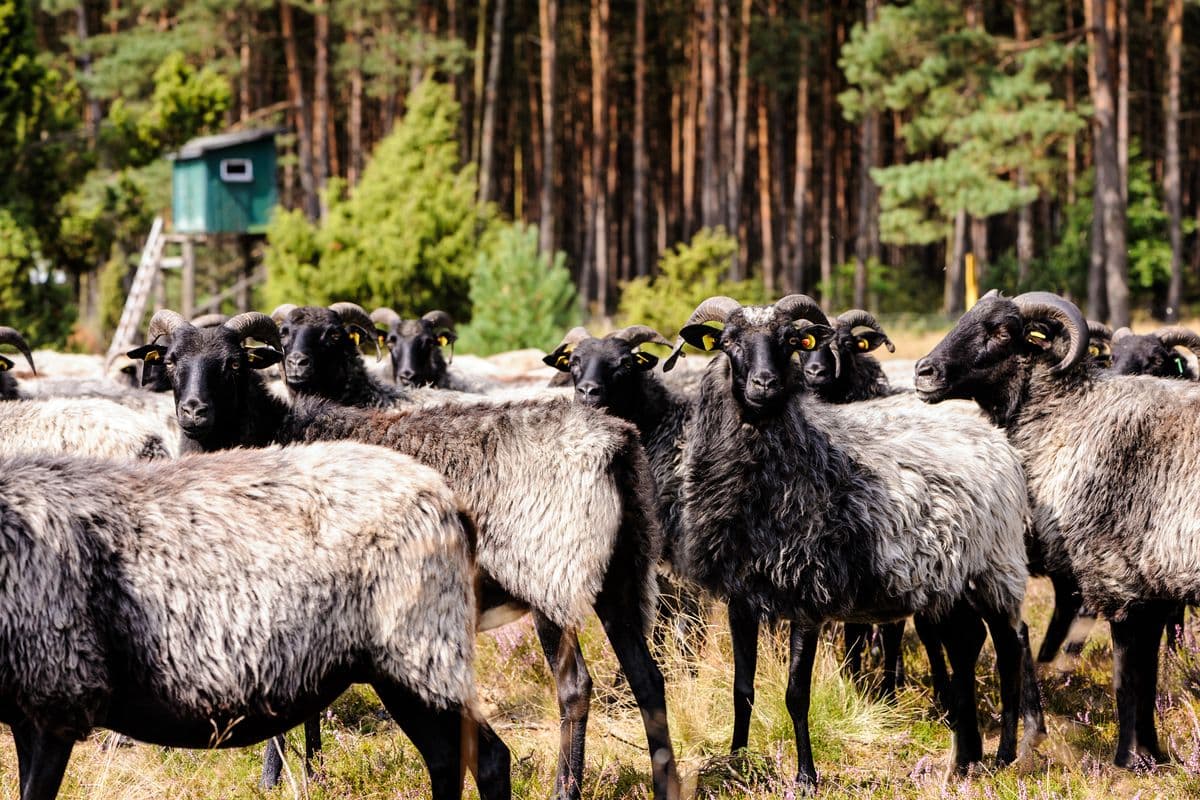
805,511
216,601
843,370
561,495
1154,353
612,373
8,384
415,349
321,356
1112,504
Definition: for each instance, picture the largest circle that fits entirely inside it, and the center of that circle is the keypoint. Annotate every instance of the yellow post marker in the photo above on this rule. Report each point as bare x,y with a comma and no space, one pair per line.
972,283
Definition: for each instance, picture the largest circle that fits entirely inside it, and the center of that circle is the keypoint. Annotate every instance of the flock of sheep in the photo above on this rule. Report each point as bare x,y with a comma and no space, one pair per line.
209,554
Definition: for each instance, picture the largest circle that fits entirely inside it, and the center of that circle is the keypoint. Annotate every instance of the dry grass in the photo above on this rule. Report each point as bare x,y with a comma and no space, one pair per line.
864,747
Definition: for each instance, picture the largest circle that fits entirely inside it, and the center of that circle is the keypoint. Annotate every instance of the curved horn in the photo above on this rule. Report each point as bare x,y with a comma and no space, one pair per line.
1098,330
857,318
639,334
256,325
715,309
573,337
1178,336
209,320
1045,304
353,314
281,312
164,323
1121,333
385,316
801,306
13,337
439,320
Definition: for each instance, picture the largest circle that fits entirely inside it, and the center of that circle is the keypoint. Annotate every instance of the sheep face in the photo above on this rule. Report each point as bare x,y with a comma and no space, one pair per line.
319,349
604,371
1146,354
416,352
827,365
209,374
763,349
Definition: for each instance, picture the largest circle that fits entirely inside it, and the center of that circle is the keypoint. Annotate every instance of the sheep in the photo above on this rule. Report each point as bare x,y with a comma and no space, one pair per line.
8,384
560,494
1100,343
321,349
611,373
1154,353
415,350
217,600
1110,465
92,427
805,511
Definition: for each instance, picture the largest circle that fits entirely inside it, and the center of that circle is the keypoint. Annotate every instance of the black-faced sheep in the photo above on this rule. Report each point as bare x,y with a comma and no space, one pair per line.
415,348
1154,353
1109,462
560,494
218,600
8,384
811,512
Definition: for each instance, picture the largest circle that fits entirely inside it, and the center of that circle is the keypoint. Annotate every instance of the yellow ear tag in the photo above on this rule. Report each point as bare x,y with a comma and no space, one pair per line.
640,358
808,342
1033,337
709,342
1093,350
354,337
863,344
443,340
382,338
562,362
151,356
4,365
251,357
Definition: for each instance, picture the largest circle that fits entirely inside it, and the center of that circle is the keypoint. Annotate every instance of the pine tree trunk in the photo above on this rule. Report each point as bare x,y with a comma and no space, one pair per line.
1097,286
92,113
477,84
1120,33
952,303
354,123
797,278
868,149
979,246
321,141
641,229
709,192
1072,142
690,112
725,82
487,133
245,103
828,141
548,28
1171,177
1025,212
299,111
599,52
740,125
766,218
1108,177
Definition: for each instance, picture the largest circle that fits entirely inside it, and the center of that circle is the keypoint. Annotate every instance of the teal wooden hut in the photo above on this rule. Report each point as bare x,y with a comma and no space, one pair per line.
225,183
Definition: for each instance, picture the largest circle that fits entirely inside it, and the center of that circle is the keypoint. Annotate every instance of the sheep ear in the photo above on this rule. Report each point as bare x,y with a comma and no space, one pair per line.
5,364
151,356
560,358
447,337
811,336
702,337
262,357
867,341
644,361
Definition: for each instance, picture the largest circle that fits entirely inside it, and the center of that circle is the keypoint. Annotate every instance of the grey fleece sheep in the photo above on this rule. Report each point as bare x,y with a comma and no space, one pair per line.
561,496
82,427
810,512
1111,463
8,384
415,352
217,600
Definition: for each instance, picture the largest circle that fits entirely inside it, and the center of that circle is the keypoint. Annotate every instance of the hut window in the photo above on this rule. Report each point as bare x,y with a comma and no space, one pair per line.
237,170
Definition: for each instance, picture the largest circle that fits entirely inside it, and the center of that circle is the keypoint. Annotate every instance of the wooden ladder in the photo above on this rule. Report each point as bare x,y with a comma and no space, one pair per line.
139,293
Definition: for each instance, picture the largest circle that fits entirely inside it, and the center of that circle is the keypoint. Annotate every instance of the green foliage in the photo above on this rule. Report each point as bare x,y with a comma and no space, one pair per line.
518,299
686,276
977,111
19,71
30,299
407,237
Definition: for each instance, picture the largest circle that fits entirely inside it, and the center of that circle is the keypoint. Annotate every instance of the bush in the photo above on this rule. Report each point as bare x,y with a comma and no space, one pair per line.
686,276
30,299
409,234
518,300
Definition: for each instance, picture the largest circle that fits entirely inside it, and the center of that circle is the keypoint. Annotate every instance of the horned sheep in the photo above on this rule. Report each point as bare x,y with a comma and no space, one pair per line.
560,495
798,510
217,600
8,384
1109,463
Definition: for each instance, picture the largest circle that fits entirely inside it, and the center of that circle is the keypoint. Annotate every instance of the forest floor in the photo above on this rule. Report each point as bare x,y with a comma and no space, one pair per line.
864,747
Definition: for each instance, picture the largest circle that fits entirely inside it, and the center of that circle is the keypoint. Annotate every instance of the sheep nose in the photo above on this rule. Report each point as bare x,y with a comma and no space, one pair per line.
816,370
406,374
298,360
193,412
764,381
925,369
589,392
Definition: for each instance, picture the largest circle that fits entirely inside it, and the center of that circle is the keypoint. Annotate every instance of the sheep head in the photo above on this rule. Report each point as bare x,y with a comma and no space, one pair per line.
605,370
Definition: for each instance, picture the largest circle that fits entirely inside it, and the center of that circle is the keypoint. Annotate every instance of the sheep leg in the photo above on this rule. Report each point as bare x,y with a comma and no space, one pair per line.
743,629
273,762
1007,642
493,770
312,741
803,648
1147,685
1135,683
437,734
1175,627
1067,602
893,657
624,631
41,770
1033,716
855,636
574,686
939,675
963,633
